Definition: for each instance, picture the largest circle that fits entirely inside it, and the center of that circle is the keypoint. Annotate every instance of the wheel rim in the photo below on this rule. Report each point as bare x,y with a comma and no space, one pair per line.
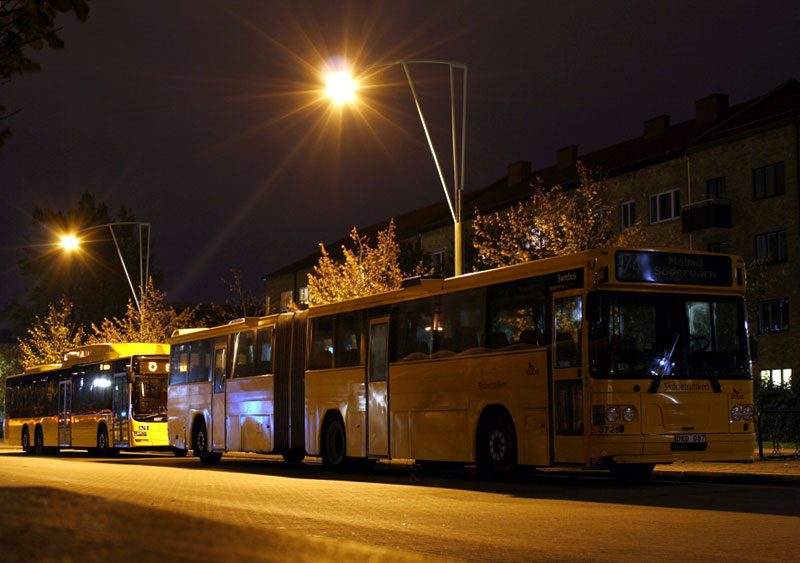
201,440
101,441
498,445
26,441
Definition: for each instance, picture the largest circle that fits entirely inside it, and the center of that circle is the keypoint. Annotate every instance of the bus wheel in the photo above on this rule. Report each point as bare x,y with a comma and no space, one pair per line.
38,441
632,471
334,444
102,442
497,445
26,441
178,452
201,446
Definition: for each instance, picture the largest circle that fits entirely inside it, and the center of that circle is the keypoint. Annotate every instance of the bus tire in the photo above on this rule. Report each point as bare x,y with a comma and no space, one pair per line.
497,444
103,449
179,452
25,440
201,446
334,444
38,441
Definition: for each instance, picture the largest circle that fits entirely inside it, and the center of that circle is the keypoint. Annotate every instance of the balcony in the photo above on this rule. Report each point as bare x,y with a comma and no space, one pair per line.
705,215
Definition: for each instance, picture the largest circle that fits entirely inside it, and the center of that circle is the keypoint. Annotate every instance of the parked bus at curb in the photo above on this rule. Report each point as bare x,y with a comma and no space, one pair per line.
611,358
104,398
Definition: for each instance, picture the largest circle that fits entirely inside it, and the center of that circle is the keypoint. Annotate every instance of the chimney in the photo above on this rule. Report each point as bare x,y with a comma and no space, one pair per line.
519,173
710,109
566,157
656,127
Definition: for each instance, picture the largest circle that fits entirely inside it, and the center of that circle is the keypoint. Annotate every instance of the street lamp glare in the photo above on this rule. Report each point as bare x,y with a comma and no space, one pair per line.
69,242
341,87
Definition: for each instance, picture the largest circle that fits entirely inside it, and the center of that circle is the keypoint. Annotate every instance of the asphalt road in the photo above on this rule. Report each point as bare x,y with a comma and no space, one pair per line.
146,507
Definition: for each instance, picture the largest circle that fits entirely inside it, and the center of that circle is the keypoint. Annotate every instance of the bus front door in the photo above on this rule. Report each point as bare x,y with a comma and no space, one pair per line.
568,364
122,394
378,389
218,413
65,414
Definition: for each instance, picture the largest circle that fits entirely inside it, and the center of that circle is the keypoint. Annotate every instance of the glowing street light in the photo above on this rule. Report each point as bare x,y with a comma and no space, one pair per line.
341,88
72,242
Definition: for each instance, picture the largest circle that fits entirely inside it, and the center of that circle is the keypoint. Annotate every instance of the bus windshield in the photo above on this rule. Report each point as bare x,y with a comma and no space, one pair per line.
657,336
149,398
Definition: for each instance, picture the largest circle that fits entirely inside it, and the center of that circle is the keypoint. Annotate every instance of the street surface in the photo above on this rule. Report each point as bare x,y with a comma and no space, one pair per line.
148,507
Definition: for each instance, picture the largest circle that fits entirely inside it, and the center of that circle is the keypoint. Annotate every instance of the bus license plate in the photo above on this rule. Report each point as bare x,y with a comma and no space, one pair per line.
690,438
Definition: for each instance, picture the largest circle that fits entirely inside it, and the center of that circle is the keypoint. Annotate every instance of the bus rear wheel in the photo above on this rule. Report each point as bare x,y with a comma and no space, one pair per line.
103,449
179,452
334,444
25,441
201,446
497,445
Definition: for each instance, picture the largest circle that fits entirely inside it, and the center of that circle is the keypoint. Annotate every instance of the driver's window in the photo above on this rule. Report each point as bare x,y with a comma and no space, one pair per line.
569,318
699,315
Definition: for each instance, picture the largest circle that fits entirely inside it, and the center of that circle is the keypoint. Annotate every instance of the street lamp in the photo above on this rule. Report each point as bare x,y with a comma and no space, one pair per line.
71,242
341,88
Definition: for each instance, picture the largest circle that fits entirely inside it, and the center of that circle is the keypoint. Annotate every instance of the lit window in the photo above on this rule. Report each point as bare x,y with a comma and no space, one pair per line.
286,300
773,315
777,377
302,295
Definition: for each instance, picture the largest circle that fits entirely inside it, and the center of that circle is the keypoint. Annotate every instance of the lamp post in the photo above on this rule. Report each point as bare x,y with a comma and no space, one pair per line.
71,242
341,88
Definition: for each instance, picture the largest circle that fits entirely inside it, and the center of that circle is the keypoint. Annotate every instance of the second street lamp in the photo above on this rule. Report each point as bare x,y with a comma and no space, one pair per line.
341,88
72,242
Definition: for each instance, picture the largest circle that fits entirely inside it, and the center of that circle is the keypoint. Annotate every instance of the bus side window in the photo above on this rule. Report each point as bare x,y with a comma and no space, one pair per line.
569,319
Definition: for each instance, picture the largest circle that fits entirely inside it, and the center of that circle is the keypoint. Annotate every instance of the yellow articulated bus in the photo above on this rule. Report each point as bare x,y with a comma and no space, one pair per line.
614,358
103,398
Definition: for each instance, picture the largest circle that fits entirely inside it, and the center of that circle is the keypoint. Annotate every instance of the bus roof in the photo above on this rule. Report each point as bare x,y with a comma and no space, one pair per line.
602,258
111,351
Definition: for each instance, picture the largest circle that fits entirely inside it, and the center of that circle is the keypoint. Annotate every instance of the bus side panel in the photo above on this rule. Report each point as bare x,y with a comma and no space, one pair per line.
50,431
436,404
185,402
85,427
340,390
13,432
250,414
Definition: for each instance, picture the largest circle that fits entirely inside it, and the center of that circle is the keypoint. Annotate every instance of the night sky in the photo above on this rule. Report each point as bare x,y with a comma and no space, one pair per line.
205,118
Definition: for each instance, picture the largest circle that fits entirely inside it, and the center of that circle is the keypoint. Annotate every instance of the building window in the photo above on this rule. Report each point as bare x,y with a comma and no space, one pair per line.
302,295
777,377
628,214
721,246
773,316
437,262
286,300
768,181
715,188
665,206
771,247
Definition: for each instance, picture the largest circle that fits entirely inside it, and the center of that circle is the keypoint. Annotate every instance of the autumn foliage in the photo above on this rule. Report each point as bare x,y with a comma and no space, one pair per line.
553,222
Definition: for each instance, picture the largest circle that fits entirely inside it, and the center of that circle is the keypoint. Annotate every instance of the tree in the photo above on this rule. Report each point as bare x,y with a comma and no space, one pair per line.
91,277
49,337
241,302
551,223
9,365
156,323
30,23
363,269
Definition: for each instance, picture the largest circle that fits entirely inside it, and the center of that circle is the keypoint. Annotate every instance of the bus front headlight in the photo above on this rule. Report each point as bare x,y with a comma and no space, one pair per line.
629,414
736,413
612,414
747,412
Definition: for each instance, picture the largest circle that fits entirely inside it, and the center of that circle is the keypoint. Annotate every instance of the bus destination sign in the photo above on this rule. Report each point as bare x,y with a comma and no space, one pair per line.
663,267
146,366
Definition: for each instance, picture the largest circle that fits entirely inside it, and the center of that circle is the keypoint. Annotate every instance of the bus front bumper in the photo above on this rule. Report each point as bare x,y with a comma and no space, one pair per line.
664,449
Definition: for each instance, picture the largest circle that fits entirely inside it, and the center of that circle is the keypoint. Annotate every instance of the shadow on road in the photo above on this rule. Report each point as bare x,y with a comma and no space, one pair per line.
48,524
526,483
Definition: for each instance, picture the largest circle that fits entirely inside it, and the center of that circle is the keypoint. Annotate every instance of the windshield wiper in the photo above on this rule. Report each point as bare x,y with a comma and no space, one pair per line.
667,361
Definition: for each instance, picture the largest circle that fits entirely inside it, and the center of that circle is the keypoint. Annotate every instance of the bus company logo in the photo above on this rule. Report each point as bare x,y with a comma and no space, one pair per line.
736,394
532,370
492,385
567,277
674,386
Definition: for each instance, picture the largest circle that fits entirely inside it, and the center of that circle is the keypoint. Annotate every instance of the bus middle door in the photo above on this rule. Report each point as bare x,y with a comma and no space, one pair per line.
218,414
568,364
121,401
378,388
65,413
